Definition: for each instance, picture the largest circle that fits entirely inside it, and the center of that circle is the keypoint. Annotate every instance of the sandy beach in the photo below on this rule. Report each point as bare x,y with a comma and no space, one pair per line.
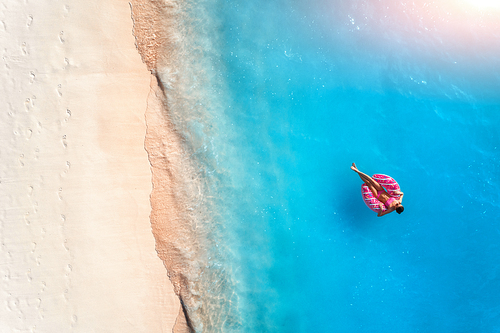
77,251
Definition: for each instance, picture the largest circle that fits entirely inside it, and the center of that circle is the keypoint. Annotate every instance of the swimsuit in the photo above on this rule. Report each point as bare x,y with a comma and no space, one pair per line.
389,201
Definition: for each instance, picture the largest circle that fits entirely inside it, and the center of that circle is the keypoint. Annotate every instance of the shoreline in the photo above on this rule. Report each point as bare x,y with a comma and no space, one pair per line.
173,175
77,248
182,217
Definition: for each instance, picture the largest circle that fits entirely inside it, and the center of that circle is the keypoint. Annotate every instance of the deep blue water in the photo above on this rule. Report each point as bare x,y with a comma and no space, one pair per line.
301,89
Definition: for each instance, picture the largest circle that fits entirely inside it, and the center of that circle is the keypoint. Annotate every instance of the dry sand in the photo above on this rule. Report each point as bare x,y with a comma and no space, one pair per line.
77,253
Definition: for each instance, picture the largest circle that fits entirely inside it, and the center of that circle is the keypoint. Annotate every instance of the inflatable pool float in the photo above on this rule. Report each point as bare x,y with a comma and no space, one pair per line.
388,183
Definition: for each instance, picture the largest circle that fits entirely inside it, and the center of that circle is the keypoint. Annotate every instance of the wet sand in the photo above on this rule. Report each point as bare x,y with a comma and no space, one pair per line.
176,186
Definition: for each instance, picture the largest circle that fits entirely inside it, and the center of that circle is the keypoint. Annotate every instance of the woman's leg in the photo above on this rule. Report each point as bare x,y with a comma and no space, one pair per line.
369,181
373,190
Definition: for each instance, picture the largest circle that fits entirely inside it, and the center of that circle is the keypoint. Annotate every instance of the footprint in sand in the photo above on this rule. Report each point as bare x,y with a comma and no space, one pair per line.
29,21
26,218
64,142
28,275
66,117
66,170
39,127
66,10
12,303
61,37
29,103
24,48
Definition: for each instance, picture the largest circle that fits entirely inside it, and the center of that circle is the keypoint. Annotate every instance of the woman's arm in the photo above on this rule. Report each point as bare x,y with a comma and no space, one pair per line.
389,210
401,195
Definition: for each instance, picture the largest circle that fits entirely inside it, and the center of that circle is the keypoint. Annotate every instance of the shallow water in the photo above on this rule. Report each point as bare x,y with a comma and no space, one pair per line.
283,97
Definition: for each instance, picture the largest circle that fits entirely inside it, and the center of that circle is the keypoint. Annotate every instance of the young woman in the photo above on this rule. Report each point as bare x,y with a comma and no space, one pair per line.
391,203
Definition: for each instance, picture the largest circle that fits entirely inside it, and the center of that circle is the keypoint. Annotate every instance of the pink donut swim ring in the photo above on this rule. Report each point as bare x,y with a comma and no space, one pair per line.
388,183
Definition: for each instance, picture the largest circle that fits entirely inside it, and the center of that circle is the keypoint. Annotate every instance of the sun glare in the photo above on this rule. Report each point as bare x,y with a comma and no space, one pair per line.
486,4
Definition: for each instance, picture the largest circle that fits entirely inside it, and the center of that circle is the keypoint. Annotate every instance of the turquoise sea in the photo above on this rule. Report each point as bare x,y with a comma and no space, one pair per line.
286,95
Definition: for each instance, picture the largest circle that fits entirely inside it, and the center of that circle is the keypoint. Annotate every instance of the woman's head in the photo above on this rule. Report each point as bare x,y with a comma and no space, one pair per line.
400,209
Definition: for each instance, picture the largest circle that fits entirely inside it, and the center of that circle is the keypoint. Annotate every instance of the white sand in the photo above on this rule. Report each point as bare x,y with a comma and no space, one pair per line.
77,253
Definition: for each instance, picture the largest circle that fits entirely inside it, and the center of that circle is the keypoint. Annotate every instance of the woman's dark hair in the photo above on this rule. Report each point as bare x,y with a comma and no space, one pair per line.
400,209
